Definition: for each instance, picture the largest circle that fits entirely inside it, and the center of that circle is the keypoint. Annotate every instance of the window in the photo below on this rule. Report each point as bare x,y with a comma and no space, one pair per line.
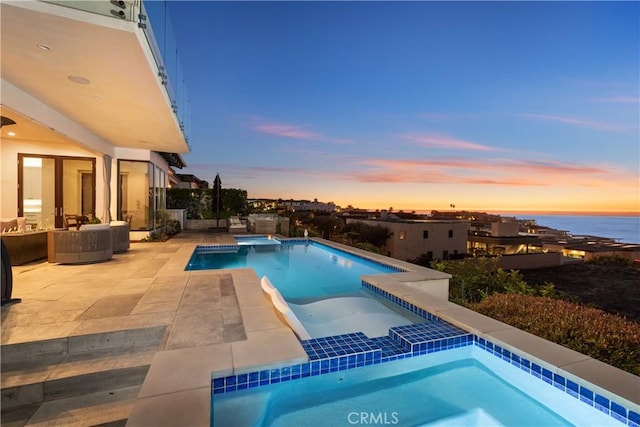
450,233
136,194
425,234
403,234
430,256
445,254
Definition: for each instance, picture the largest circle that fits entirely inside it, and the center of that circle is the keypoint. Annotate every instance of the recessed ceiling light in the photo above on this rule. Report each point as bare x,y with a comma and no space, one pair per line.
11,133
79,80
44,47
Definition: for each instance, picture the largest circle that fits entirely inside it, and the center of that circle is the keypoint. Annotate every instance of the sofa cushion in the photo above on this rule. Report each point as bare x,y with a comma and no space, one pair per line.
94,227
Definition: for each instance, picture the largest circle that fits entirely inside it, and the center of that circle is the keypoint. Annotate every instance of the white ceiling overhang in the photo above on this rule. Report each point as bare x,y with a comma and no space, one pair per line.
99,72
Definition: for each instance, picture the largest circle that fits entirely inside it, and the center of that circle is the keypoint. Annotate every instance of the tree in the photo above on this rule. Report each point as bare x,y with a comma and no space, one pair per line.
234,201
327,225
359,232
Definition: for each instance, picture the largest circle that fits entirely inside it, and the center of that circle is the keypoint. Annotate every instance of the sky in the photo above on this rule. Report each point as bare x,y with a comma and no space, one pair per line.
496,106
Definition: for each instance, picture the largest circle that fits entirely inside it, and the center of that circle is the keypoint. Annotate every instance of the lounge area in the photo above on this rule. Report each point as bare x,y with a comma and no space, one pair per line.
90,243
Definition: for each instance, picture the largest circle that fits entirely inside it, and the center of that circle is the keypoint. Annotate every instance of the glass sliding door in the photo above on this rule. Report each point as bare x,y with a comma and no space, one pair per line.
135,194
141,193
50,187
37,201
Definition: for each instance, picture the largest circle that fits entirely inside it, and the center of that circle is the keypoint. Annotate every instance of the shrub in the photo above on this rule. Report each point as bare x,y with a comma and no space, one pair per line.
173,227
610,260
475,279
609,338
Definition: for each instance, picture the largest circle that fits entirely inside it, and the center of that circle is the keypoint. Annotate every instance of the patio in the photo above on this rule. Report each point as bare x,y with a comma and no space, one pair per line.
132,340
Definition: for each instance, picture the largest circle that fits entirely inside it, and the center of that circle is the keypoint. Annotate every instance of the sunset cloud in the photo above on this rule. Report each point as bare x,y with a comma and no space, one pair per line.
442,141
287,131
300,132
507,172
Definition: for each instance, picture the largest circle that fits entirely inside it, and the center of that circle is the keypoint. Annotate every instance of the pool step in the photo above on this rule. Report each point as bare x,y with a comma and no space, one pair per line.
67,372
103,408
25,355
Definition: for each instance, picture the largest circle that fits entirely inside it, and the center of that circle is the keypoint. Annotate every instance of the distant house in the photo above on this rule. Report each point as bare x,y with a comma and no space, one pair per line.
92,115
437,239
585,249
308,205
500,238
190,181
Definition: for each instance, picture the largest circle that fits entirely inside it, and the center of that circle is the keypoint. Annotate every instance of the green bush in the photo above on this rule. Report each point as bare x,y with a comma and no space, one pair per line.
610,260
475,279
173,227
609,338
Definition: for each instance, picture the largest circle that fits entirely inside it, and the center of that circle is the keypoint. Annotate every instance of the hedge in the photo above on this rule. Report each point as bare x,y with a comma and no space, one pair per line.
606,337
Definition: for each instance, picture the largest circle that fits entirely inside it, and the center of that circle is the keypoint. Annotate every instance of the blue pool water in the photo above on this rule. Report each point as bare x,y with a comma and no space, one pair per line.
321,284
464,386
256,240
302,272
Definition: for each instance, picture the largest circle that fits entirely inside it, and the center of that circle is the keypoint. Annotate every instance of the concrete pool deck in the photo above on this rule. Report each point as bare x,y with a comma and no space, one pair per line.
203,322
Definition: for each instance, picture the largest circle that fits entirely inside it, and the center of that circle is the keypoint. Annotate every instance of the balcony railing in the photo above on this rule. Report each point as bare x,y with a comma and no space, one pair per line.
154,20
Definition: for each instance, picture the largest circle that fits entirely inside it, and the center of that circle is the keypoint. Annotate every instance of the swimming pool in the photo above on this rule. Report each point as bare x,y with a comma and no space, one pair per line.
250,392
464,386
322,285
303,271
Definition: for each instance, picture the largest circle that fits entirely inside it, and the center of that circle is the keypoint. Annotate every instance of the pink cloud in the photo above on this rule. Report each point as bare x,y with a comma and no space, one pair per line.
575,121
441,141
296,132
489,172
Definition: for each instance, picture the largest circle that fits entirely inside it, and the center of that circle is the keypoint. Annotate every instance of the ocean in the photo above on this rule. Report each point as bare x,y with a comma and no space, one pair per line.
622,228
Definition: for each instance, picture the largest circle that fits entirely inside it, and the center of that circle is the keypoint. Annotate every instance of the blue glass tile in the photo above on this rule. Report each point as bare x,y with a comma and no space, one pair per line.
618,409
218,382
632,424
275,373
264,382
253,376
230,380
274,380
242,378
230,388
588,394
547,374
264,375
253,384
243,386
218,391
602,401
536,368
572,386
634,417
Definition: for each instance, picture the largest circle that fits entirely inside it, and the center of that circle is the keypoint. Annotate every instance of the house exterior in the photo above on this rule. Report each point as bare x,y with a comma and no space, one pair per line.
94,111
190,181
438,239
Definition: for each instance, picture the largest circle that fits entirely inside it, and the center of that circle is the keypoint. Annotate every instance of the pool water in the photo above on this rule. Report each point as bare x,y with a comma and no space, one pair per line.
463,386
301,272
256,240
322,285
